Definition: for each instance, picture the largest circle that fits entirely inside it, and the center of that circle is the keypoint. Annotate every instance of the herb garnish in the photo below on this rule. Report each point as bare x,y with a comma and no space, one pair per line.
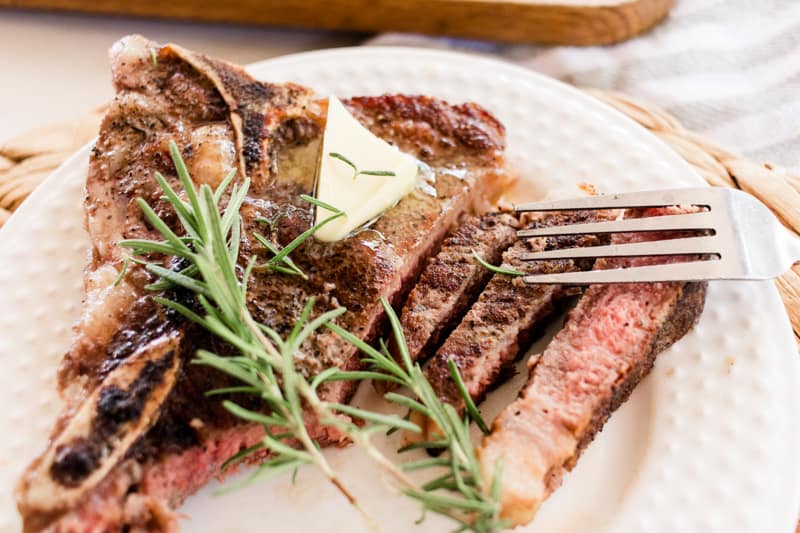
460,490
153,56
356,171
266,367
281,262
496,269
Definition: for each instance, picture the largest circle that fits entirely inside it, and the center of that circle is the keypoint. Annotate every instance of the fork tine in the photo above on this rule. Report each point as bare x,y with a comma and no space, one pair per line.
619,201
685,246
689,271
696,221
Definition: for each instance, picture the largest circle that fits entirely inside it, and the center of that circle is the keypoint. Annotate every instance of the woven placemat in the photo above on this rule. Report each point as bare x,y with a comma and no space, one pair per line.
27,159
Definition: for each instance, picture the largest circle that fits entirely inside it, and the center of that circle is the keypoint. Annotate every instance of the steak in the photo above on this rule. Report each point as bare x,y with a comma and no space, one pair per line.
608,344
453,279
508,313
138,434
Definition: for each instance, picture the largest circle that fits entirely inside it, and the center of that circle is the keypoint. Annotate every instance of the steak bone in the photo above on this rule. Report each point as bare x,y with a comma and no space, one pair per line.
102,428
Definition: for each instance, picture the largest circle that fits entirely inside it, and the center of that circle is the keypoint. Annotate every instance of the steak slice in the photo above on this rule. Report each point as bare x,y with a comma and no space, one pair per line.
133,443
508,313
453,279
608,344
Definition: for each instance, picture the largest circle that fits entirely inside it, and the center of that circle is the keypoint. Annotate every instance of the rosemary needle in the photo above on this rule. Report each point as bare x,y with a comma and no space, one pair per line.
356,171
496,269
122,271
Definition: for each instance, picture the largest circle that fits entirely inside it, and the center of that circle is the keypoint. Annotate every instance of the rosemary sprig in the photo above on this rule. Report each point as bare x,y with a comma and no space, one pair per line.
265,363
356,171
460,492
496,269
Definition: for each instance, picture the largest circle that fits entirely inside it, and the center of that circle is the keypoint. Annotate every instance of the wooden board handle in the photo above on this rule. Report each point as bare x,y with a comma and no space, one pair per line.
576,22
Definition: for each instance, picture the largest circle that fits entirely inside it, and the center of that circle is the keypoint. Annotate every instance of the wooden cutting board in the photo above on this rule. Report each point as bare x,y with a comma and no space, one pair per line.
579,22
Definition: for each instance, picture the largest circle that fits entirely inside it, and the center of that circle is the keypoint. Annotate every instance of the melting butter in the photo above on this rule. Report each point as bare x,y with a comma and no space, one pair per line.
361,196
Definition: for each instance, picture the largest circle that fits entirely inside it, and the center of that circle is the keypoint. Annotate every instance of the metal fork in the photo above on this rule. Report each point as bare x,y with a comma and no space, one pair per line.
742,238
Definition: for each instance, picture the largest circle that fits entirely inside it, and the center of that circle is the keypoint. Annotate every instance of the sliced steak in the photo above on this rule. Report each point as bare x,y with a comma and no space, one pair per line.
452,279
171,439
502,322
608,344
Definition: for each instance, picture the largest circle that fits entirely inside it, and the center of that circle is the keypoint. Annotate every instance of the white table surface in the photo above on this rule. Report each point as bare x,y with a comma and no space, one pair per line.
54,66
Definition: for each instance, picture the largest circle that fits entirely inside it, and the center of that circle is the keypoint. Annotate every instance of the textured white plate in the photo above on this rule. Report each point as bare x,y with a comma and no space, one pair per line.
709,442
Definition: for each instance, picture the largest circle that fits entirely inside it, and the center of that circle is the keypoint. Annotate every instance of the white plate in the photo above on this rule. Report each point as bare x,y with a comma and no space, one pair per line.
708,442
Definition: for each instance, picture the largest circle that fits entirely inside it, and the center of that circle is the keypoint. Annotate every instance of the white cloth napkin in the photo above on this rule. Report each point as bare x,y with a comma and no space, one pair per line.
728,69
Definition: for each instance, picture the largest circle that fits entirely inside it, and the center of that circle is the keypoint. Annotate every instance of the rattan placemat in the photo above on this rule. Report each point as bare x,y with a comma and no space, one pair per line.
27,159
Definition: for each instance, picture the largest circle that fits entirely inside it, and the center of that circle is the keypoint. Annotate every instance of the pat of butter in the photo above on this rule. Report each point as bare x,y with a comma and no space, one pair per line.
362,197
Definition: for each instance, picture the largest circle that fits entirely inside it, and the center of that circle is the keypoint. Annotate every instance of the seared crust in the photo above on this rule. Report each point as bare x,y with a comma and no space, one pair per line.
507,314
452,280
432,128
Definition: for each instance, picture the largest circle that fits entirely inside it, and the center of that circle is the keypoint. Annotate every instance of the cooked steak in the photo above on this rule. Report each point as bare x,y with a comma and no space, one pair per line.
138,434
507,314
608,344
452,279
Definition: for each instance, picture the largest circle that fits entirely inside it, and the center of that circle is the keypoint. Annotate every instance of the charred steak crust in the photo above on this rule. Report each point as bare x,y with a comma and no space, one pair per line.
430,127
507,314
452,280
222,119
